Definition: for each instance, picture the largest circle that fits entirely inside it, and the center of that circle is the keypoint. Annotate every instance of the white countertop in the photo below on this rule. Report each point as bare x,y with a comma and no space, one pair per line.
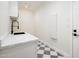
16,39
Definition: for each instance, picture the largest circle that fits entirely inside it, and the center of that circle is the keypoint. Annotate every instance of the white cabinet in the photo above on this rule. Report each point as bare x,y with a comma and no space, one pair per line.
13,8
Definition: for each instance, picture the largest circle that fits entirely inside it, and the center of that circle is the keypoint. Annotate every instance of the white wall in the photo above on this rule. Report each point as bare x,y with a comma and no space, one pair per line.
4,18
13,8
26,19
65,27
63,12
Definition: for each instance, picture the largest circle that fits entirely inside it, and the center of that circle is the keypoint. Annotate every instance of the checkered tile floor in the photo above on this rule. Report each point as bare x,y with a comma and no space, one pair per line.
43,51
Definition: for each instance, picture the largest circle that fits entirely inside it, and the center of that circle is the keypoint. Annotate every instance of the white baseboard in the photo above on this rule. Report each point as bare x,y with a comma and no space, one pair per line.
66,55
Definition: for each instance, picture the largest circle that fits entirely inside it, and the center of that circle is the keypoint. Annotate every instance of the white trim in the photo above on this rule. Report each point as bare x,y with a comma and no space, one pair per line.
66,55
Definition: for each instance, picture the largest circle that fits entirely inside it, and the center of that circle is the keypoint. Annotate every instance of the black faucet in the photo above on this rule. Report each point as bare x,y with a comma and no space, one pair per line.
14,19
14,26
18,24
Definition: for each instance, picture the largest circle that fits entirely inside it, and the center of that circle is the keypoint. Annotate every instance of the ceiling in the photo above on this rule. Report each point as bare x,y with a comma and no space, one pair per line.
31,5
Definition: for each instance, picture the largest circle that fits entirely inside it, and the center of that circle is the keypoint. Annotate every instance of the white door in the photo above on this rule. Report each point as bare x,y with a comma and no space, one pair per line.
75,23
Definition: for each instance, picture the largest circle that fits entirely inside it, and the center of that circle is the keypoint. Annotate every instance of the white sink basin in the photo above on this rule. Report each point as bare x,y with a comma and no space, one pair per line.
17,39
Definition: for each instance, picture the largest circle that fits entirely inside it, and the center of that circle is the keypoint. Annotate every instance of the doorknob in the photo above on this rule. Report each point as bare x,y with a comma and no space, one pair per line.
75,34
75,30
